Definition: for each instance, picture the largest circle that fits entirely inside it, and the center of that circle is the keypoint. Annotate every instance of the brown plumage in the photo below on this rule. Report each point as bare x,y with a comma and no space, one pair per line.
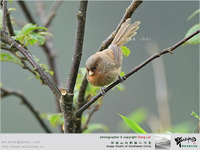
105,66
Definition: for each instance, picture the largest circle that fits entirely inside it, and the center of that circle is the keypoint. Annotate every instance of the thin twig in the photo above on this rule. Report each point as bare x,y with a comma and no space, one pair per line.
7,92
10,49
129,12
66,105
52,13
4,15
165,51
40,11
9,24
26,11
78,47
36,66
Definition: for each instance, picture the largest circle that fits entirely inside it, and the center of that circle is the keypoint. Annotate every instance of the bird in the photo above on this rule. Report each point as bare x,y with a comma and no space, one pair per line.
104,67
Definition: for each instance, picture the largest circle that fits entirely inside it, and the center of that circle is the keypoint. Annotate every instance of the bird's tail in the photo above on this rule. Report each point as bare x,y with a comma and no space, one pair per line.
126,32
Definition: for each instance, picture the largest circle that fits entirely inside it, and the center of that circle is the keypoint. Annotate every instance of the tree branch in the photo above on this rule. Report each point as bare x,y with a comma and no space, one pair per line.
26,11
40,11
52,13
165,51
9,24
47,79
7,92
66,105
10,49
129,11
4,14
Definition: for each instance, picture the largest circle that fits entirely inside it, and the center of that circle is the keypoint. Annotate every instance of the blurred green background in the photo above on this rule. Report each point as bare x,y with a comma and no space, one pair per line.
162,24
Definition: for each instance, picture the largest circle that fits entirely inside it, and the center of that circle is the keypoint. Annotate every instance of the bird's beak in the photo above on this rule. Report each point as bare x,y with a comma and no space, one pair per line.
91,73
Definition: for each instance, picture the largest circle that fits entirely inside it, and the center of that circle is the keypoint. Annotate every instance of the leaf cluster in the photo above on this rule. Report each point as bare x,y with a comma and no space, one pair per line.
31,34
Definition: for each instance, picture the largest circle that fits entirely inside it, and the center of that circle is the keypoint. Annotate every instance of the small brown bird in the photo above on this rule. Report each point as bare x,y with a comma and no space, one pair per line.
105,66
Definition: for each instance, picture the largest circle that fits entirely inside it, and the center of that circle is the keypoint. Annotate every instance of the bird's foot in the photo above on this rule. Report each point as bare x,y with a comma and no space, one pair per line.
102,91
121,79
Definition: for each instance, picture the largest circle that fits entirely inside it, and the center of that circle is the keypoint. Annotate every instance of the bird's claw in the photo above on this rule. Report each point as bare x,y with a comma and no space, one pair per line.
121,79
103,91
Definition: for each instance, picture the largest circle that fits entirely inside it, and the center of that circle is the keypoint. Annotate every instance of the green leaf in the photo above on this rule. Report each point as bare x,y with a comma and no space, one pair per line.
96,126
92,90
11,9
36,59
134,126
38,38
45,33
9,58
30,27
84,119
125,51
51,72
27,36
193,14
54,119
196,38
30,41
138,115
195,115
122,73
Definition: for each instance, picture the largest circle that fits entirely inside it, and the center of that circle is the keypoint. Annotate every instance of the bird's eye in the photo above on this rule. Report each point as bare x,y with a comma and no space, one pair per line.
93,68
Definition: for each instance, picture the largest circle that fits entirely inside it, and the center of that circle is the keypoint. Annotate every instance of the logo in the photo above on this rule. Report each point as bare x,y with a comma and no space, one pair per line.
191,141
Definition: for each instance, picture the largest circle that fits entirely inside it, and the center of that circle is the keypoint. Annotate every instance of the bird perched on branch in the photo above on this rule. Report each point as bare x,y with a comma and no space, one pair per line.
105,66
